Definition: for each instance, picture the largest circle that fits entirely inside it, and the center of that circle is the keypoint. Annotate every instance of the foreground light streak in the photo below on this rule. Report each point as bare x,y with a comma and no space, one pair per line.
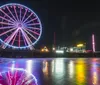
20,20
18,77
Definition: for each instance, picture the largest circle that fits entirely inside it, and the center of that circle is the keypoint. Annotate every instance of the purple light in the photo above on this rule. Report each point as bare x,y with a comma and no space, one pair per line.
18,28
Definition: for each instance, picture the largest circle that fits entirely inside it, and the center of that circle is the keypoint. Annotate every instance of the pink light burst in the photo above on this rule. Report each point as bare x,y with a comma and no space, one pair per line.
18,76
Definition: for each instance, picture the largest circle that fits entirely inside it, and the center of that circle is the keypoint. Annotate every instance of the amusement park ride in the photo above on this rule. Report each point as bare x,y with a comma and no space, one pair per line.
20,27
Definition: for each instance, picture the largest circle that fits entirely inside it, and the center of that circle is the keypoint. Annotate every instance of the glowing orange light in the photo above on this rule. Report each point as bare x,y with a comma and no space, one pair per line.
44,49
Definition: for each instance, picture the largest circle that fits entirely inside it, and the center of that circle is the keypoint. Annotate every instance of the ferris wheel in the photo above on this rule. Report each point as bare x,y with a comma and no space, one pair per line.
20,27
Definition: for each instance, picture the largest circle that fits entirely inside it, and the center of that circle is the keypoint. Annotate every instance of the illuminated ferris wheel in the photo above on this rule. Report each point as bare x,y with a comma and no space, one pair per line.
20,27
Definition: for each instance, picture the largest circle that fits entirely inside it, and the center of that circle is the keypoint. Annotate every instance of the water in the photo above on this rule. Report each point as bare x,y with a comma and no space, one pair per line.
50,71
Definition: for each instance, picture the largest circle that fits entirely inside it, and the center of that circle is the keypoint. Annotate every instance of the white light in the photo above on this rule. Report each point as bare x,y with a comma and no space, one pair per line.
29,66
53,48
59,65
13,66
53,66
71,69
60,51
71,49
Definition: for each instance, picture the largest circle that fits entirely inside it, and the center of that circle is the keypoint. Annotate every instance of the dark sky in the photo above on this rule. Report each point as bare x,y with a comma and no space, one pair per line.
72,21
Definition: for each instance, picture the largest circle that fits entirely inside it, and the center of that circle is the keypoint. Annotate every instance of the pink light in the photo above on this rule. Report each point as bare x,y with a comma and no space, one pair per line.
31,20
11,37
7,27
6,23
28,17
33,24
14,39
26,38
93,43
20,13
24,14
6,19
16,12
11,13
15,78
7,31
34,28
33,32
19,39
30,34
6,15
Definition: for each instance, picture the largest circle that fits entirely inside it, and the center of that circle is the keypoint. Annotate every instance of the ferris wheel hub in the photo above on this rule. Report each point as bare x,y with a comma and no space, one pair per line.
19,25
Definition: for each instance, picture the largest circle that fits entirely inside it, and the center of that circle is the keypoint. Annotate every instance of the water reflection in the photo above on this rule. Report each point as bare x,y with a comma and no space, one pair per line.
45,68
58,71
53,71
13,75
29,65
58,66
80,70
71,69
94,73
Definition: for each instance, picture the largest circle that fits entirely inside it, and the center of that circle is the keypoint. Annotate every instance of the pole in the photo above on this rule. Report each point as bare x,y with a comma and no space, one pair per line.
93,43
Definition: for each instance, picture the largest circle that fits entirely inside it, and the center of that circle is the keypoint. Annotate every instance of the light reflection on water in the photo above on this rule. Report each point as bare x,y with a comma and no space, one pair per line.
94,72
57,71
71,69
80,72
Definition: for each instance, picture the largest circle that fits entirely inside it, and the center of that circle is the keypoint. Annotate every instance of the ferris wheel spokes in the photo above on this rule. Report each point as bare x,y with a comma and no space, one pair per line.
16,13
19,39
7,27
31,20
6,19
7,31
32,31
5,23
6,15
30,34
11,13
34,28
14,39
24,15
33,24
10,37
20,13
27,17
26,38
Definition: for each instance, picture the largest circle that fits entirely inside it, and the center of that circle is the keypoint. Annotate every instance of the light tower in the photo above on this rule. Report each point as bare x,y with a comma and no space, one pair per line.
54,42
93,42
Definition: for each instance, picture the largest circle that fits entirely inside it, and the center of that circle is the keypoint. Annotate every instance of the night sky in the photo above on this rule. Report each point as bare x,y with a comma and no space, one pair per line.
72,21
